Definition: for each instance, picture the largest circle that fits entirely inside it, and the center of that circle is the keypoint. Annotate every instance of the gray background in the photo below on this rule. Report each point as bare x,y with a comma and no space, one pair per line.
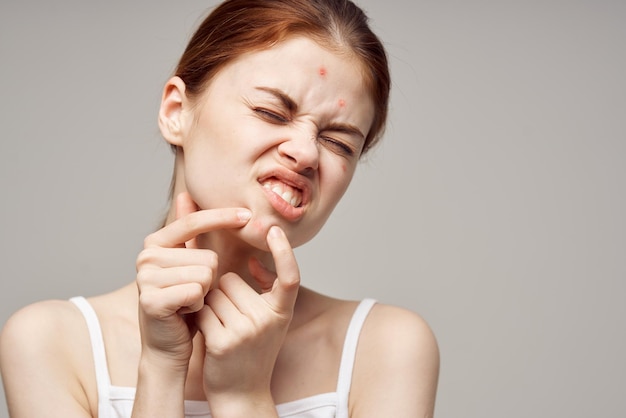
495,207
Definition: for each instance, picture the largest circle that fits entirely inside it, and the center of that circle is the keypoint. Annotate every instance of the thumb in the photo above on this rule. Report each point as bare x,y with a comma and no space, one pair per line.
184,206
284,291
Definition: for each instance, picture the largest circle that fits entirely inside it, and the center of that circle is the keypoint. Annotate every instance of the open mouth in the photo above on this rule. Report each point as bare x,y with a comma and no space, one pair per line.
291,195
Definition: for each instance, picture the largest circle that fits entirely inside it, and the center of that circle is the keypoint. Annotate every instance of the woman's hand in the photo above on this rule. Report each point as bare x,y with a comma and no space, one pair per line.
173,277
244,332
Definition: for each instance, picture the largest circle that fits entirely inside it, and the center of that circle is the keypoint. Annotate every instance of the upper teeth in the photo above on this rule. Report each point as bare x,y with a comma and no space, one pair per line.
289,194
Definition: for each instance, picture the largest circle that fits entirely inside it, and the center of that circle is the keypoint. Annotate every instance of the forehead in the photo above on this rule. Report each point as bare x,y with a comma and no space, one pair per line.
305,70
303,54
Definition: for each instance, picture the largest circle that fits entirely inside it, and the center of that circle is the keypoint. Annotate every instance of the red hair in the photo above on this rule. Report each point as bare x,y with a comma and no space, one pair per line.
237,27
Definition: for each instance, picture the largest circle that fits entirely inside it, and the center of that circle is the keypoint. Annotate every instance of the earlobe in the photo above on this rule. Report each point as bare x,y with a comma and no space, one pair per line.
171,115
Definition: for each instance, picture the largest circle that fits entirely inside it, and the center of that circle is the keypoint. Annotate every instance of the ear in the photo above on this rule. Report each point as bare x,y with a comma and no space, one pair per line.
171,113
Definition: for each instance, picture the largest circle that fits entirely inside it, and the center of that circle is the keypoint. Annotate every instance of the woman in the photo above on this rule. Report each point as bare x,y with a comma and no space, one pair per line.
272,104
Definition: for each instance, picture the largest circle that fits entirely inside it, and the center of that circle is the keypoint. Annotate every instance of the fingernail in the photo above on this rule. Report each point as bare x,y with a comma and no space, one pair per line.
244,214
274,232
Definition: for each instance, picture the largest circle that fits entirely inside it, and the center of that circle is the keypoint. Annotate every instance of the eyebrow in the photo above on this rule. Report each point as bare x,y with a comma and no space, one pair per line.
288,102
346,129
292,106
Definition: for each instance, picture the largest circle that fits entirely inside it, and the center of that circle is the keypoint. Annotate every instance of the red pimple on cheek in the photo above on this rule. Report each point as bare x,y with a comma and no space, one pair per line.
258,226
342,103
322,71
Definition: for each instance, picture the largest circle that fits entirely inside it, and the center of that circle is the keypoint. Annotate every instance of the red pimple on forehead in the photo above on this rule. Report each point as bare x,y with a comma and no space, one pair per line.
322,71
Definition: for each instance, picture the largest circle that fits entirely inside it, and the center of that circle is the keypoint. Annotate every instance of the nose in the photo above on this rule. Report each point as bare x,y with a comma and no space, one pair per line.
301,150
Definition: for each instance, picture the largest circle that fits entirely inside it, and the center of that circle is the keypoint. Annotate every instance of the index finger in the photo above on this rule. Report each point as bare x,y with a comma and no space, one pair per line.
176,233
185,205
285,290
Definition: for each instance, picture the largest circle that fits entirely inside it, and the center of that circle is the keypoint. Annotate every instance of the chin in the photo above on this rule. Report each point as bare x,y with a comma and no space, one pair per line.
255,233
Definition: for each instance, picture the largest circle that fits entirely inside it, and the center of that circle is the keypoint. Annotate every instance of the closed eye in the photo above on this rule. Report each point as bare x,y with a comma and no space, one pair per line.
337,146
270,116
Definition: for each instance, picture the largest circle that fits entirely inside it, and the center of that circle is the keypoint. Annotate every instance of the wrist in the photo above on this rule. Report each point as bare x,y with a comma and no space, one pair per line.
160,390
242,405
155,362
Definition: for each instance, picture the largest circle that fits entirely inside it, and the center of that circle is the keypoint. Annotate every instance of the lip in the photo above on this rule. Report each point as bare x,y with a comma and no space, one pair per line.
291,179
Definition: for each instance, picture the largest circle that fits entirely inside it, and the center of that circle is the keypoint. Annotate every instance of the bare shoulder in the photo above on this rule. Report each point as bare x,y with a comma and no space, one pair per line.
41,349
393,330
42,324
397,365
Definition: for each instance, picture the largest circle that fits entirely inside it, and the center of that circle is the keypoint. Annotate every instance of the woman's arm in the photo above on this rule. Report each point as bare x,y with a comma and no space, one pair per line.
160,390
38,347
244,332
173,277
396,368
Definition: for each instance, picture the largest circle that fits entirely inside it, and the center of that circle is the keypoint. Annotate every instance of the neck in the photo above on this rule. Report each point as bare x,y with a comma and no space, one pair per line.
234,255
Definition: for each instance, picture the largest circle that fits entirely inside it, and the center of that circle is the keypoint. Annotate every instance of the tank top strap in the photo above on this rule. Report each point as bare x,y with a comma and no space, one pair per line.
103,379
348,355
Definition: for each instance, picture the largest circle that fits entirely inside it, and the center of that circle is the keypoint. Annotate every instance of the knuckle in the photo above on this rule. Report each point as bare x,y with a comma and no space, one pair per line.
263,323
150,240
143,276
205,276
292,282
195,293
146,256
219,349
148,303
249,336
209,259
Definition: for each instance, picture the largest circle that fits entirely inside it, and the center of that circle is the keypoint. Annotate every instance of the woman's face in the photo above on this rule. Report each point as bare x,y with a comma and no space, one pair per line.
280,132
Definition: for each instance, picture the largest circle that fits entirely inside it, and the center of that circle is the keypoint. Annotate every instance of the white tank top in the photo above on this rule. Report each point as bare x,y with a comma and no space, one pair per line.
117,401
